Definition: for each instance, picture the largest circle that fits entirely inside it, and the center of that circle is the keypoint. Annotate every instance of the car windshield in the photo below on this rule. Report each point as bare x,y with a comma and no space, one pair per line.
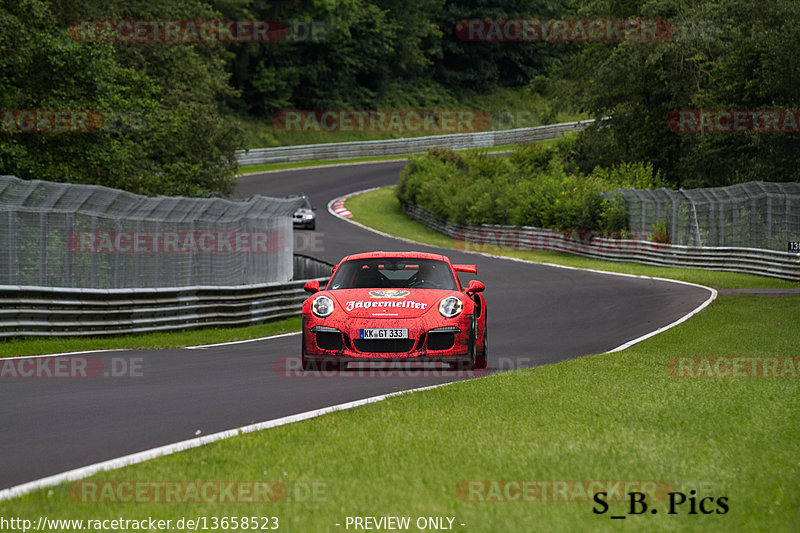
394,273
306,202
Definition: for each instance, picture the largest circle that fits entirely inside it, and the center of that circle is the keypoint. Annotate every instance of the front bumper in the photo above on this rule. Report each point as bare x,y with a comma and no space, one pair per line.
447,343
303,224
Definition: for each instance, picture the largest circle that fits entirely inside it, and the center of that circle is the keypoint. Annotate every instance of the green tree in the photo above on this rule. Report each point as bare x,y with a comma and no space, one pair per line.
364,54
163,133
481,66
730,55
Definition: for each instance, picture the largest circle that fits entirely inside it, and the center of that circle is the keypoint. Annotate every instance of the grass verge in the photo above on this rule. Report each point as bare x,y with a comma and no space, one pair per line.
179,339
380,209
613,418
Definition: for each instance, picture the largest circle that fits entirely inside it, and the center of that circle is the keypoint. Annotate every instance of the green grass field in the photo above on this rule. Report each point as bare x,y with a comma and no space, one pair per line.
622,420
611,418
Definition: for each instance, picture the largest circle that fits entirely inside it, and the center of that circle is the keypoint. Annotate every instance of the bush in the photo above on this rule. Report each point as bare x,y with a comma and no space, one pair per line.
534,186
615,214
446,155
660,234
636,175
531,157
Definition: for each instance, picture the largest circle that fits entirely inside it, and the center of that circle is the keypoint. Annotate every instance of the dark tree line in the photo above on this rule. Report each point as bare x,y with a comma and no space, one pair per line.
169,110
736,55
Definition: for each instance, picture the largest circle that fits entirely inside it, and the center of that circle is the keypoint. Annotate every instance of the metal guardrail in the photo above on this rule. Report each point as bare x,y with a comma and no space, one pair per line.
56,311
307,267
488,237
456,141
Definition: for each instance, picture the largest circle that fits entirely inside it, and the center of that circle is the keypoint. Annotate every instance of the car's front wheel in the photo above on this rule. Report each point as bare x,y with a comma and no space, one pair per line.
482,359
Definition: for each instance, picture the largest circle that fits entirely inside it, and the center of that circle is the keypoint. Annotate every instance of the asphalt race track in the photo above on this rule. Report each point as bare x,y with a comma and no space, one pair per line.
537,315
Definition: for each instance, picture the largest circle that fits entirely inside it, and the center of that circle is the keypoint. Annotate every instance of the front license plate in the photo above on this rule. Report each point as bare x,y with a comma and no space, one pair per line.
383,333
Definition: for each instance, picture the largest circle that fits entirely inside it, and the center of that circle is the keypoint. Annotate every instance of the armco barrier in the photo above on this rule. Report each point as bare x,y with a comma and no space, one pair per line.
456,141
487,237
307,267
56,311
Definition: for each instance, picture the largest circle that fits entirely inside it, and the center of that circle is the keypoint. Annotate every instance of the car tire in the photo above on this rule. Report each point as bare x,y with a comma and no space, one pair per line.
307,363
482,360
303,341
470,363
313,226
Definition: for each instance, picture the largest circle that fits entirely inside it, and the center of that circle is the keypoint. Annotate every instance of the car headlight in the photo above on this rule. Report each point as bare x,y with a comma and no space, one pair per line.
322,306
308,217
450,307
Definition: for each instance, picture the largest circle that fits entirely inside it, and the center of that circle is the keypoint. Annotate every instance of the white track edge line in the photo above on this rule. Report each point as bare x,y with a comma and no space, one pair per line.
703,305
277,336
65,353
169,449
198,347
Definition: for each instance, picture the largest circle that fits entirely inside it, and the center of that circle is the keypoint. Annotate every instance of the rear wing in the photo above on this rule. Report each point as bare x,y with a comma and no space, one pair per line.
470,269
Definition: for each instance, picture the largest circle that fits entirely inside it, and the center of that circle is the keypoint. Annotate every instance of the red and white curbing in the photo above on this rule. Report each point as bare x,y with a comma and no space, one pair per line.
336,206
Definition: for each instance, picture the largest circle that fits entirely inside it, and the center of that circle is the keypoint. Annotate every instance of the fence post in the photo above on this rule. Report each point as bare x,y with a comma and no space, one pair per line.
13,249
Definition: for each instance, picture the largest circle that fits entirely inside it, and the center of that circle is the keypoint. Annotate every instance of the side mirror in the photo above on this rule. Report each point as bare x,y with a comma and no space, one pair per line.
475,286
313,286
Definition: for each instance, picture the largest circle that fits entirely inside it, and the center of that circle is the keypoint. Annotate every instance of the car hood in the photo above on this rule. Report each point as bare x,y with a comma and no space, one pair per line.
394,303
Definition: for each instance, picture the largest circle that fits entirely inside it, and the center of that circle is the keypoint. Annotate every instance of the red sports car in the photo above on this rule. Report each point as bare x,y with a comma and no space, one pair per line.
395,306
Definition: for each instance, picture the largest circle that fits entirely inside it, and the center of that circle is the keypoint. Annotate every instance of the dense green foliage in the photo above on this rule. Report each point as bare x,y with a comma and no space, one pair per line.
534,186
162,133
170,108
173,111
382,53
731,55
